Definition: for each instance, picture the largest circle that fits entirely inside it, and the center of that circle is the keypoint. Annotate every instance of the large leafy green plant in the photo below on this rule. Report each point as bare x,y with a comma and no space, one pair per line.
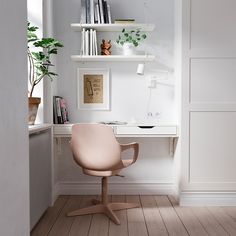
39,56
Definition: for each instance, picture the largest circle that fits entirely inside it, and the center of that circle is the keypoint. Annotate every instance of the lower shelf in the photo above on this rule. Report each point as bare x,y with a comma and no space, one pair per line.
120,58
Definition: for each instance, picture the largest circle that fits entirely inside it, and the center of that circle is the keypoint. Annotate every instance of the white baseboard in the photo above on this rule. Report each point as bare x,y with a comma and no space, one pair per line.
208,199
76,188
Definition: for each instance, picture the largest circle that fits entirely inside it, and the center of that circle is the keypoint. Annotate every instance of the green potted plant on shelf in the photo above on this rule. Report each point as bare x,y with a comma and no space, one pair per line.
39,54
130,39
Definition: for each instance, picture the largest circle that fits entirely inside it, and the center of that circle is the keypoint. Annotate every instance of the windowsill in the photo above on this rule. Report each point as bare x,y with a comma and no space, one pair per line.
38,128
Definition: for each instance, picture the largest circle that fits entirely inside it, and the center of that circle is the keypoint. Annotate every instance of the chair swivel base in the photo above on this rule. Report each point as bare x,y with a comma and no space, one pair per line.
106,209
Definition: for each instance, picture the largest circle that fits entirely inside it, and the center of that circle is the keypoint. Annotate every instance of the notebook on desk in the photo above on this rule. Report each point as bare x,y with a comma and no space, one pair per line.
113,122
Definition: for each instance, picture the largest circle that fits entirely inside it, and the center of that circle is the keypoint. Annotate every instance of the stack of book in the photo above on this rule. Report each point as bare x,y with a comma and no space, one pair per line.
60,112
89,42
95,12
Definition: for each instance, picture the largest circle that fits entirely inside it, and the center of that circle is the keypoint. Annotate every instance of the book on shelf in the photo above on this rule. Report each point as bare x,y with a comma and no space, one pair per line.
95,42
83,42
86,41
83,19
88,14
104,4
109,13
57,110
89,42
92,11
101,11
55,121
124,21
64,111
95,12
60,111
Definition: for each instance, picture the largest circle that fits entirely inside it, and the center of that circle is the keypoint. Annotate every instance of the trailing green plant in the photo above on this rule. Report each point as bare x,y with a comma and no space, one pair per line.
131,36
39,57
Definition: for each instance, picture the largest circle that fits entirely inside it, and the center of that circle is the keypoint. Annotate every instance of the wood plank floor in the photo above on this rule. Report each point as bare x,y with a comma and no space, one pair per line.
158,215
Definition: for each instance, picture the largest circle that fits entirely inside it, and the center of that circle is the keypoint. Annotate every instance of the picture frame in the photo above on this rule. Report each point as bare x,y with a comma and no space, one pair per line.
93,88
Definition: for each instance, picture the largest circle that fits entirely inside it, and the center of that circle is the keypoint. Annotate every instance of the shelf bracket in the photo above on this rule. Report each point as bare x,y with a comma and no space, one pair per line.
173,144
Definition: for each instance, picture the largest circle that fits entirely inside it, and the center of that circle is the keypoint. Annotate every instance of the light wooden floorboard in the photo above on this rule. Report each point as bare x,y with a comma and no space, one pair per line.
231,211
99,224
190,221
158,215
122,229
64,223
225,220
171,219
136,222
81,224
209,222
154,222
47,221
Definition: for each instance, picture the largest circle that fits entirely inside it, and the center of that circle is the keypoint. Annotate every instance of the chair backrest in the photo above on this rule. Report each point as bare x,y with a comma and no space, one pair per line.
95,147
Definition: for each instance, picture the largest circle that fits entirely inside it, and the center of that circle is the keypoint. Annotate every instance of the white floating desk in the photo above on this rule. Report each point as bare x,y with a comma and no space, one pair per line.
131,130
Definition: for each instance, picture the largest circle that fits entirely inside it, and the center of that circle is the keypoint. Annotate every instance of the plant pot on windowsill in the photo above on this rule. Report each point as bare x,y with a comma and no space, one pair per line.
33,109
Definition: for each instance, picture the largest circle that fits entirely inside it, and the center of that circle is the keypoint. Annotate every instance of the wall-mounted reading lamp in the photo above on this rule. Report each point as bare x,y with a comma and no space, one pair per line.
140,69
152,80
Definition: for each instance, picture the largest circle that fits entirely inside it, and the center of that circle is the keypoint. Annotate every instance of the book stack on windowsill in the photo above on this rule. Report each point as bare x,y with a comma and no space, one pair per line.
60,112
95,12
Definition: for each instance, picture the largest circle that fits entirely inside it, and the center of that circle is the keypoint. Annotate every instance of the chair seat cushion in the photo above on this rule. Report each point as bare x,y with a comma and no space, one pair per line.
106,173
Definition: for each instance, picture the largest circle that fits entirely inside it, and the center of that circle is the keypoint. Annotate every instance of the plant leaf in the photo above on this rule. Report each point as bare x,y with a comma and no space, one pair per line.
144,36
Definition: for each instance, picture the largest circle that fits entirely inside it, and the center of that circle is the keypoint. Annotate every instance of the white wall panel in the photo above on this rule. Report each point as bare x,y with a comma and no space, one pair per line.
212,23
212,147
208,101
14,145
40,174
213,80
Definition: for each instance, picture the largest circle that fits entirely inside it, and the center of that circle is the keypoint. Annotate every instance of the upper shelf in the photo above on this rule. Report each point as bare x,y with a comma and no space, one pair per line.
113,27
113,58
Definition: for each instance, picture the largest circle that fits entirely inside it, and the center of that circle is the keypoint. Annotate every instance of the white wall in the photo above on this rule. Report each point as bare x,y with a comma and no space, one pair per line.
209,102
129,93
14,148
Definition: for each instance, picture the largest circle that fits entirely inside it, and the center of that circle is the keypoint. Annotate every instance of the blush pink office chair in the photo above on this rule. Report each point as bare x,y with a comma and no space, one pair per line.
97,151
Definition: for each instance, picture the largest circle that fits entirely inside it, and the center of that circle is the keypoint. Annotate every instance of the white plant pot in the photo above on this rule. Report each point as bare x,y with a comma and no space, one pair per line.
129,49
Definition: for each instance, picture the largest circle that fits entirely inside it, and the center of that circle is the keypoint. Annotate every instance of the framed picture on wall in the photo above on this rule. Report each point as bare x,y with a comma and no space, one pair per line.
93,89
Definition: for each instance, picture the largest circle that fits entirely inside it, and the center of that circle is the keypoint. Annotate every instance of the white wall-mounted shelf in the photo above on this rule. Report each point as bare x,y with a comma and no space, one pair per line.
80,58
112,27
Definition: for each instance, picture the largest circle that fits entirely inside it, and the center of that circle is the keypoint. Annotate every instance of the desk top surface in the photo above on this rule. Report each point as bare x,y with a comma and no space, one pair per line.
128,130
